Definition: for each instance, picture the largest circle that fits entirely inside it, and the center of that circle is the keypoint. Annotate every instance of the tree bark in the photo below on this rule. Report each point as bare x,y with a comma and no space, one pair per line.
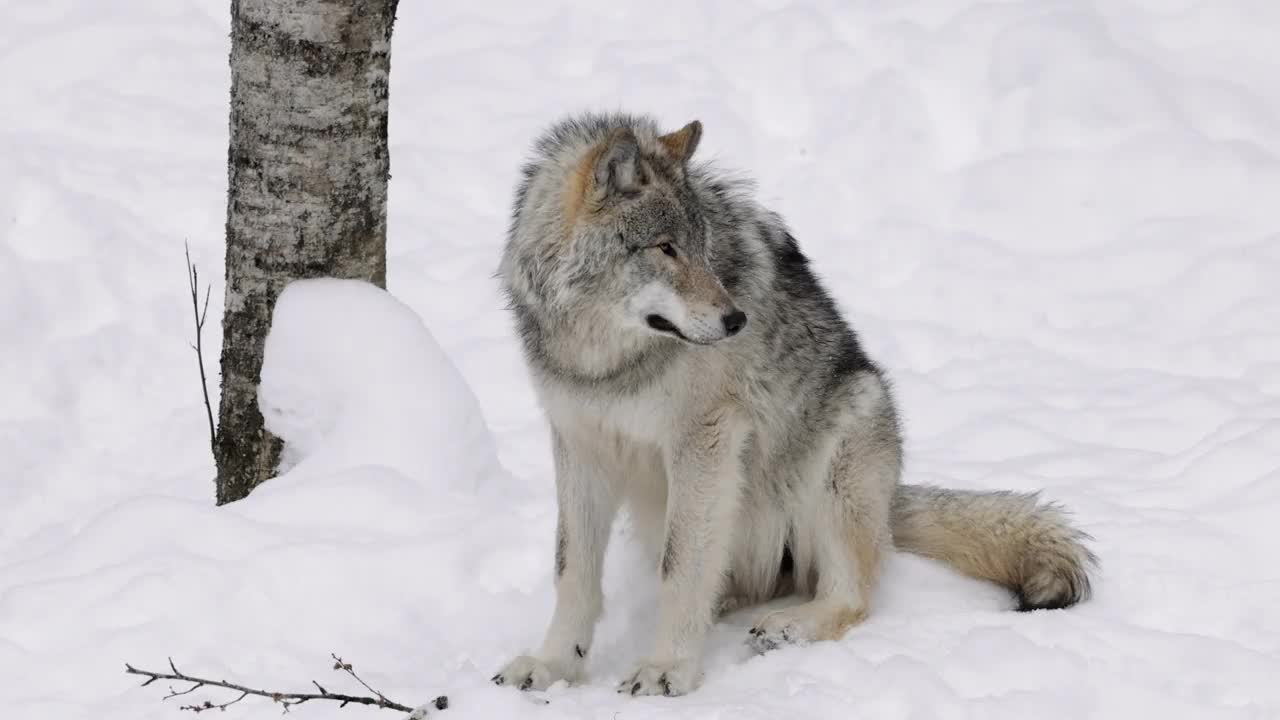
308,169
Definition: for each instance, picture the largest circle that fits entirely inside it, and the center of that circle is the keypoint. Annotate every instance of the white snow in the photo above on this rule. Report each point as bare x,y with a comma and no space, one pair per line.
1054,222
350,378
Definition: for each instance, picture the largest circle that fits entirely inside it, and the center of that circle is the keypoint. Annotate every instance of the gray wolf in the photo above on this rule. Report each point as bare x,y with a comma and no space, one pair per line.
693,368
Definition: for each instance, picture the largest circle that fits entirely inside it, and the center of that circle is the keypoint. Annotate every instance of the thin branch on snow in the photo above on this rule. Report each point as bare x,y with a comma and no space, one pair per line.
193,280
286,699
338,664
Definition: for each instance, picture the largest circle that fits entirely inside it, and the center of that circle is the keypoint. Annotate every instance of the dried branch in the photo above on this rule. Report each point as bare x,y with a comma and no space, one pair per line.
286,699
346,667
193,280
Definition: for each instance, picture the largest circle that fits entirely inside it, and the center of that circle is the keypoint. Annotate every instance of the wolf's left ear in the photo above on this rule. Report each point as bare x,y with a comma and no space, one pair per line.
618,167
684,141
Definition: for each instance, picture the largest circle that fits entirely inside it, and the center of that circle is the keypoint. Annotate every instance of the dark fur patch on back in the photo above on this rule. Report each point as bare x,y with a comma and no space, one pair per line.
795,276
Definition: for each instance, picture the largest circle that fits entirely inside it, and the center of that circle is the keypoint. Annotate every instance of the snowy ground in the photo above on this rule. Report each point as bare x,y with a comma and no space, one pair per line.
1055,222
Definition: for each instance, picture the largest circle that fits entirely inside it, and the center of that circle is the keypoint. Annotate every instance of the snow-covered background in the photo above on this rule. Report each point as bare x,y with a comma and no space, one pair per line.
1056,222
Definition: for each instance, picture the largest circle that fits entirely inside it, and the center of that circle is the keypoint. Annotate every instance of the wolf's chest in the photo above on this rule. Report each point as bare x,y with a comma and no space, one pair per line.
646,417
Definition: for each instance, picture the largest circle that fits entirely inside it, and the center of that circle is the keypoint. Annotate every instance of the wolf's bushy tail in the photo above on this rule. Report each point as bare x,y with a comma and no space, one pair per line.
1006,537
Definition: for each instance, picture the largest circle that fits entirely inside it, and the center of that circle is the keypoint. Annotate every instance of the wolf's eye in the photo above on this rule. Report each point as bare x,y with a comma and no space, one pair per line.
667,248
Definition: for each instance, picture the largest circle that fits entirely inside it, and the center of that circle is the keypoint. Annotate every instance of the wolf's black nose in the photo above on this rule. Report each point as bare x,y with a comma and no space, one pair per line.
734,321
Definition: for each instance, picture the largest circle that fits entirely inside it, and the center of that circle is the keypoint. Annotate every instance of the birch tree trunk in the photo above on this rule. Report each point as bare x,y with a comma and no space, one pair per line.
308,169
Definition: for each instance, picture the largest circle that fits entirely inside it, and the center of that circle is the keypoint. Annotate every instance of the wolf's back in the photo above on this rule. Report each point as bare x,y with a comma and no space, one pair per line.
1008,538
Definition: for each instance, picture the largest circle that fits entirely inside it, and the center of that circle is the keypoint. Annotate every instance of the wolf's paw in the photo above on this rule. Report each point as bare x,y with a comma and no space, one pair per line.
762,639
670,679
529,673
811,622
778,629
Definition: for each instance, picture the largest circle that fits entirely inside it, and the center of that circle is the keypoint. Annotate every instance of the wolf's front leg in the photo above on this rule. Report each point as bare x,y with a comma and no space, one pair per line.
586,495
704,481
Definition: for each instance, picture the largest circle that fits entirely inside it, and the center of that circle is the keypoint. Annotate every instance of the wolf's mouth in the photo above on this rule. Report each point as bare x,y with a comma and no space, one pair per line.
661,324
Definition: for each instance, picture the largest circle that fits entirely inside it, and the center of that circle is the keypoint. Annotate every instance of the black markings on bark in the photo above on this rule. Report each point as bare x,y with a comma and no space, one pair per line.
578,649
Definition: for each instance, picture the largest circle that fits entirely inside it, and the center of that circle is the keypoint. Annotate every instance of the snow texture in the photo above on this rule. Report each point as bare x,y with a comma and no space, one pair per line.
1054,222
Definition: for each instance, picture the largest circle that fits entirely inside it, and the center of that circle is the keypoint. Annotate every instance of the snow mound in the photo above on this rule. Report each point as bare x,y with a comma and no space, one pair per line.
351,377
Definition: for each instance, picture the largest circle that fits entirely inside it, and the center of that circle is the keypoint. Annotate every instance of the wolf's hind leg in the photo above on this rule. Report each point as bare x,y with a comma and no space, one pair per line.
850,534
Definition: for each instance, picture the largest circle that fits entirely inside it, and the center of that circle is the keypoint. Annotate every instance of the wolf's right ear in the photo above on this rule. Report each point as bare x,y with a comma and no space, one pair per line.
618,167
684,141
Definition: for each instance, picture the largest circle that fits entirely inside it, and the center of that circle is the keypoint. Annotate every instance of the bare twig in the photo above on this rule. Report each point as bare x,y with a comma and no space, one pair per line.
193,280
206,705
175,693
338,664
286,699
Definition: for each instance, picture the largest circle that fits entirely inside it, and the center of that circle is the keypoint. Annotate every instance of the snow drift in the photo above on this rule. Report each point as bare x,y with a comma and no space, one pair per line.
350,377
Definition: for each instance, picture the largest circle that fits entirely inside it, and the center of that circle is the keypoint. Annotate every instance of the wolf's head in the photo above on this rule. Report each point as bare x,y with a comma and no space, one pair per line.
610,227
639,209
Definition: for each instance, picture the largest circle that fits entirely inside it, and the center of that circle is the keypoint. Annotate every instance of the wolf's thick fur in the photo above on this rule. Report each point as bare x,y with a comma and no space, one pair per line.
757,460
